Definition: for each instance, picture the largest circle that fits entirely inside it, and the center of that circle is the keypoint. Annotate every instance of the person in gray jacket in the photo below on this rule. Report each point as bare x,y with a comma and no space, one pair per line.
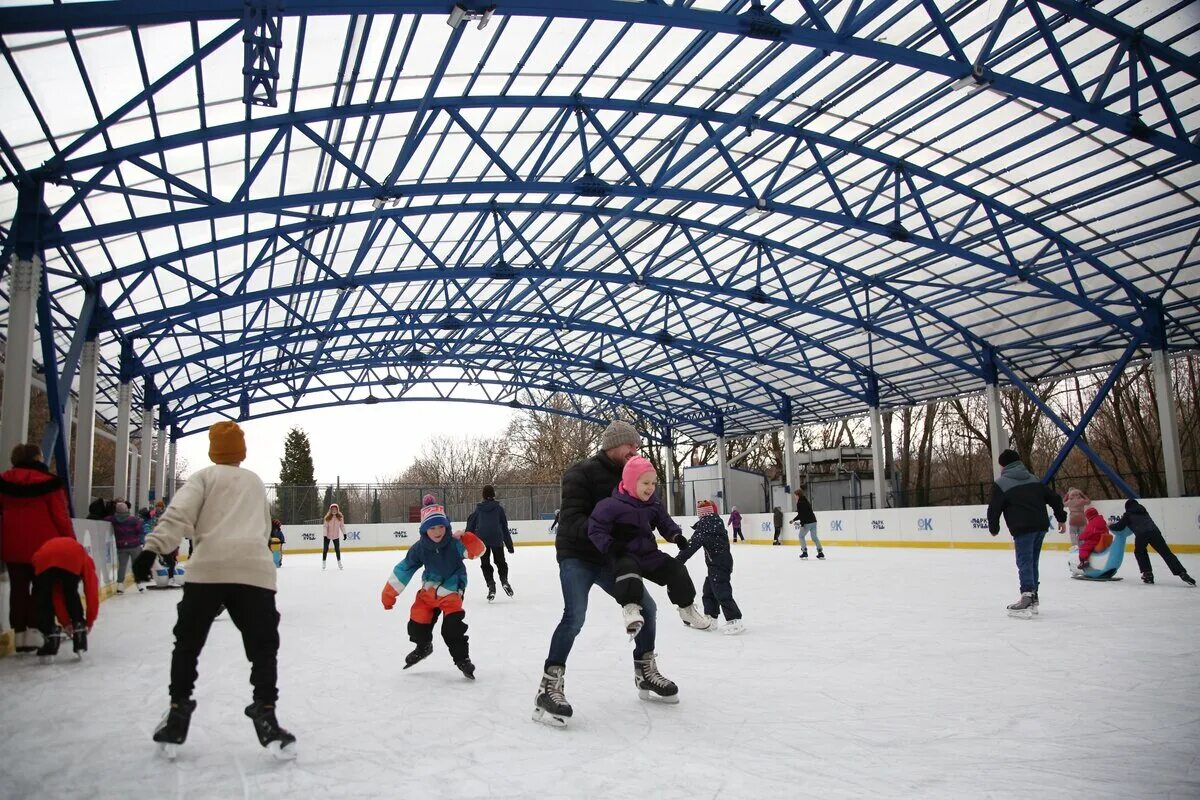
489,522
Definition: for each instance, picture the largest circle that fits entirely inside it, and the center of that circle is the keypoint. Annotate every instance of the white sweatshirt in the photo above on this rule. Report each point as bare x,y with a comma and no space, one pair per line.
224,511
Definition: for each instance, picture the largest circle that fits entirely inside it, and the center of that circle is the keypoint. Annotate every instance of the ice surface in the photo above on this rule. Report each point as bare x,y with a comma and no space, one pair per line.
876,673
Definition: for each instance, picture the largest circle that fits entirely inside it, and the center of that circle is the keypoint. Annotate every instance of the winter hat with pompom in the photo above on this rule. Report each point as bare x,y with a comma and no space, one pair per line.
432,513
706,508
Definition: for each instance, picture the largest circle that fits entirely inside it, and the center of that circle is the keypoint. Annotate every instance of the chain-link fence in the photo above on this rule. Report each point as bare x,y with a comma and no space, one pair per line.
377,502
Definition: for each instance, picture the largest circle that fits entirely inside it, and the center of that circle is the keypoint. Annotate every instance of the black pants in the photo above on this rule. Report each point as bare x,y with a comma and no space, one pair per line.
170,559
1155,540
252,610
671,574
778,530
337,549
737,534
454,633
718,595
486,565
43,598
21,614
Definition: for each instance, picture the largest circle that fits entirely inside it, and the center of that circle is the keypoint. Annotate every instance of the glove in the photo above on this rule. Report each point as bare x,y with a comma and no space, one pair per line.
616,549
142,566
511,549
995,533
680,541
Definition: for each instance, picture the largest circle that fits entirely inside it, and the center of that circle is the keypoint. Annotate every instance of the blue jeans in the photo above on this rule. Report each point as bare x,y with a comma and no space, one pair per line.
1029,550
577,578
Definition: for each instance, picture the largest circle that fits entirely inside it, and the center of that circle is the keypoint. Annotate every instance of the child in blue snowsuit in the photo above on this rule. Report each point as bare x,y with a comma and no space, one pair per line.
443,583
718,590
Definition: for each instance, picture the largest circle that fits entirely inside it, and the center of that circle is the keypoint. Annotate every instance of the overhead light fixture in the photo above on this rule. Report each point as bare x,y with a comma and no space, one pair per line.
759,207
460,13
971,81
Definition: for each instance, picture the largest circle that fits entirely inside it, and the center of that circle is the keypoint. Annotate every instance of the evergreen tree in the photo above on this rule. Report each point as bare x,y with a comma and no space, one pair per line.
328,501
376,509
297,495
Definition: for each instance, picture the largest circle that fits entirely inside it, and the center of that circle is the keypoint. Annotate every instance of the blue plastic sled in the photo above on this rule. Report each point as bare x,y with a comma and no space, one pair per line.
1103,565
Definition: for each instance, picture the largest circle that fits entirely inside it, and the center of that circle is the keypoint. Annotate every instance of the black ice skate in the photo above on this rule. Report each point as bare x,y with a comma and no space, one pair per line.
1188,579
491,593
804,554
419,653
79,638
1147,577
550,706
821,554
1023,608
466,667
650,683
507,589
49,648
173,729
278,741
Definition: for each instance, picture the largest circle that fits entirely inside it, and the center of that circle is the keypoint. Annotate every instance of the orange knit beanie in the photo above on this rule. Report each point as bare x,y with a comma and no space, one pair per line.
226,444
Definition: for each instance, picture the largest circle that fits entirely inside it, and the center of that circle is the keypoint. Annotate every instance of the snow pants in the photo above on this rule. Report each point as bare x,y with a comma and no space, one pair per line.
485,564
424,613
252,610
718,595
1155,540
671,574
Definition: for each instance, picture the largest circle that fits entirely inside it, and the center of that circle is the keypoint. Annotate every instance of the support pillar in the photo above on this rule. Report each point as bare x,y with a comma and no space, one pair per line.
133,478
996,433
85,428
789,458
160,464
122,490
1168,422
23,286
877,462
145,457
171,465
723,471
668,456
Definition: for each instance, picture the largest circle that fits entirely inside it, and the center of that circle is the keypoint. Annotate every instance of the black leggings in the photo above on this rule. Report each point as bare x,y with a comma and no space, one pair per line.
737,534
43,598
486,565
252,610
670,573
337,548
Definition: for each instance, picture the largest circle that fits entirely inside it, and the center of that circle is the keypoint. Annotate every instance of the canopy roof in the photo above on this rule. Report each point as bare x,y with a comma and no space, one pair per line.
721,215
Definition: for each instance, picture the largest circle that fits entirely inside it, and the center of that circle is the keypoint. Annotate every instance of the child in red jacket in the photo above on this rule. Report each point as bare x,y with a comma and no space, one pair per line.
58,567
1092,538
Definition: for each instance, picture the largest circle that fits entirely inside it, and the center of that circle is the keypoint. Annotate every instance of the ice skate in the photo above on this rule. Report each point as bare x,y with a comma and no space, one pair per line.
49,648
507,588
491,593
278,741
1023,608
324,565
693,617
650,683
79,638
1035,608
821,555
419,653
1147,577
712,623
633,618
465,667
804,554
340,564
1188,579
550,706
120,589
777,542
173,729
25,643
733,627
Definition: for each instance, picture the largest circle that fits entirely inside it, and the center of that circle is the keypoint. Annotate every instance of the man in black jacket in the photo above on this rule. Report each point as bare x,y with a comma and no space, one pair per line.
581,566
1022,499
1146,534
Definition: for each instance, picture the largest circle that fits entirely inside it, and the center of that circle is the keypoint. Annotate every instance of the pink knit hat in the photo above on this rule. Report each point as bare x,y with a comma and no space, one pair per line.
635,467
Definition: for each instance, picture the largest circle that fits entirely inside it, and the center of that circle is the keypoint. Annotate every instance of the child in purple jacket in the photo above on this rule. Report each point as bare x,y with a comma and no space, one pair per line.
622,528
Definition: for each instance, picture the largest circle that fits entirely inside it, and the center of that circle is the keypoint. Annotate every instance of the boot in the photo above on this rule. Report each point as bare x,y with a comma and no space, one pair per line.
1023,608
550,705
491,592
49,648
821,555
804,554
323,564
79,637
693,617
507,588
466,667
1188,579
418,653
280,742
733,627
340,564
1147,577
633,618
173,729
1034,607
650,683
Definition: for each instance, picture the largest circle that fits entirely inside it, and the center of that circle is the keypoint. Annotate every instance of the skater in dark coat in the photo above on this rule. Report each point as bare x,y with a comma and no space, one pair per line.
622,528
777,518
718,590
735,522
1147,534
489,522
1021,499
808,524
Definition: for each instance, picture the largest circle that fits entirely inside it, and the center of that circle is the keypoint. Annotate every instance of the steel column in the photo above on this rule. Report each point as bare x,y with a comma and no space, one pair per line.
85,428
877,463
1168,422
24,282
160,463
121,467
145,457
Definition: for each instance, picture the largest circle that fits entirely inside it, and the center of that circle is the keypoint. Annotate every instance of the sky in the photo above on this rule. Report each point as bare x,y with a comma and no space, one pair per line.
358,443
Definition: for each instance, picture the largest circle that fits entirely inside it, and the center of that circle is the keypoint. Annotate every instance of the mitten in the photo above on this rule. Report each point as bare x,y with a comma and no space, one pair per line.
143,564
995,533
680,540
388,597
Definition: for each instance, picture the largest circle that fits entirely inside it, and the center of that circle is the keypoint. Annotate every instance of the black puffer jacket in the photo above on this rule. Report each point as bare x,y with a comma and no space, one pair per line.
1022,499
584,484
1137,519
804,511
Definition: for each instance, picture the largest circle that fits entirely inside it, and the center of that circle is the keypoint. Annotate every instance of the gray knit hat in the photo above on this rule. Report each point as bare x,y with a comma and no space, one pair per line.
617,433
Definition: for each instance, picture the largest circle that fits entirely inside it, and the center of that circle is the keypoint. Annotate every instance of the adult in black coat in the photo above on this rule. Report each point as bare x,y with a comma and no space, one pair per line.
581,566
489,522
1146,534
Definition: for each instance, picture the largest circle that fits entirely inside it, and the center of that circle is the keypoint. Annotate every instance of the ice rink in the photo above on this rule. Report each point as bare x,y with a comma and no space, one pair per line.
876,673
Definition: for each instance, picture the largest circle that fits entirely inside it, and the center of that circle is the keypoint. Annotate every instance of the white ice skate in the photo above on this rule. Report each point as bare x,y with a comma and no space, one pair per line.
712,623
733,627
633,619
694,618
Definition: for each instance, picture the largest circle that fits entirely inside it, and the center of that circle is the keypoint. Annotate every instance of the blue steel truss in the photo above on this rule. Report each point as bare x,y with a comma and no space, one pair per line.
719,215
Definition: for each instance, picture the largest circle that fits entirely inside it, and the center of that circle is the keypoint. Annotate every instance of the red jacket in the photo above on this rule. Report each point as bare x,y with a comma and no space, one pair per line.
33,510
1090,541
68,554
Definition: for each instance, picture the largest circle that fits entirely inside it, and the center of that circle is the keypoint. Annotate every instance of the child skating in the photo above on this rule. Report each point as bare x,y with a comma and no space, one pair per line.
1147,534
224,509
59,566
735,522
489,522
622,528
443,583
718,589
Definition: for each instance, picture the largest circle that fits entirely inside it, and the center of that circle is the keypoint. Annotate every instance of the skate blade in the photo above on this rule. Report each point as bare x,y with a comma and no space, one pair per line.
45,659
669,700
168,751
282,752
1020,614
633,630
546,718
736,632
